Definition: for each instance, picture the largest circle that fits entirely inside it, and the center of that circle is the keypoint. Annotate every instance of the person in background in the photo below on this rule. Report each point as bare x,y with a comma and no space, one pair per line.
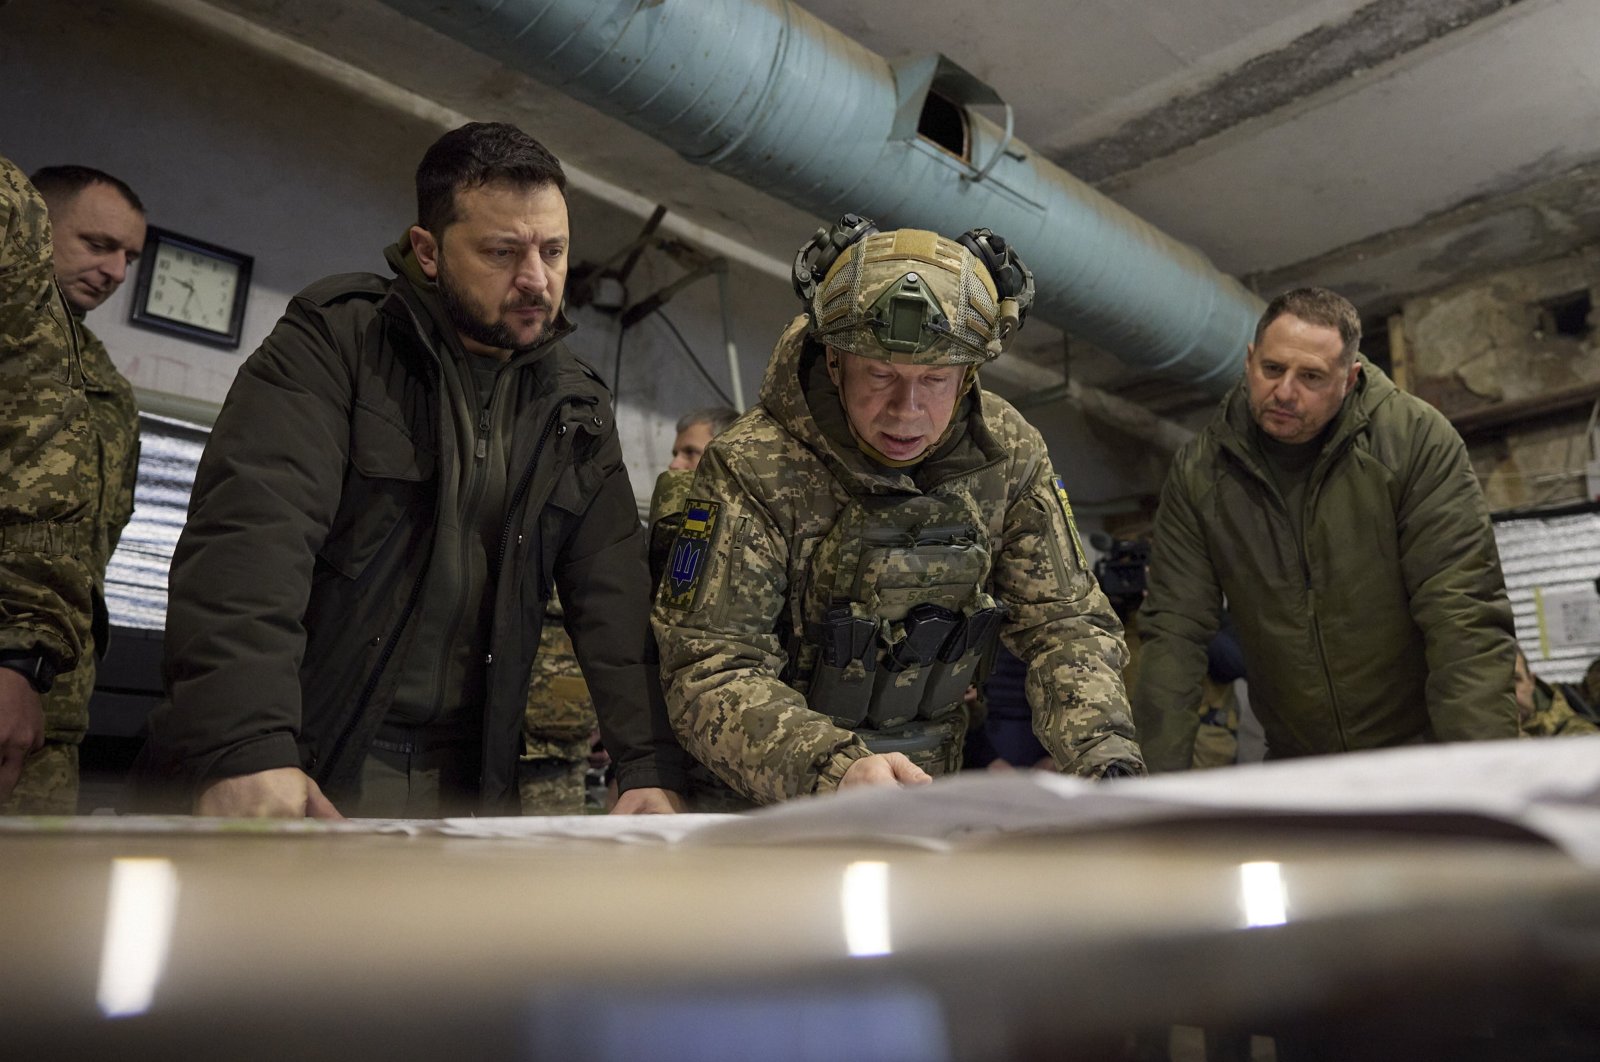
694,433
1543,711
562,745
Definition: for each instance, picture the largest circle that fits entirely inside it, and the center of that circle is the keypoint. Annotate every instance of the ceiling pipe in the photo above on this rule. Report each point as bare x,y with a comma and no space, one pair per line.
767,93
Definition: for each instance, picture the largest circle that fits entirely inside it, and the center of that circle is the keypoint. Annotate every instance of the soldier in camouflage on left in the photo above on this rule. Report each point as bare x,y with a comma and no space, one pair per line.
853,547
44,500
99,228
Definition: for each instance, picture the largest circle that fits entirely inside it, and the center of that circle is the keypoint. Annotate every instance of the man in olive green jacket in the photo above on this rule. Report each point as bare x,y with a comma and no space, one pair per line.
1341,520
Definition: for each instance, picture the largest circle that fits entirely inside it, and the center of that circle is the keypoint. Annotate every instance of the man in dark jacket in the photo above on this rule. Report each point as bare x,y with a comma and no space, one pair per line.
1341,520
400,475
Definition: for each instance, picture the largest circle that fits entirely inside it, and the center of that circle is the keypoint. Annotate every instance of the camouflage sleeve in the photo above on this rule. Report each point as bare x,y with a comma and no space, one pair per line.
1176,624
1064,628
666,515
46,494
717,610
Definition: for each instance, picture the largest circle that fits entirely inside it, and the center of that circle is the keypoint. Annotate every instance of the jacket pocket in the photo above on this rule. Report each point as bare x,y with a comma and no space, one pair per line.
384,479
582,431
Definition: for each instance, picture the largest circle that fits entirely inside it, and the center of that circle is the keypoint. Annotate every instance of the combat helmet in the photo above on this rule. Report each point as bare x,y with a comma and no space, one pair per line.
911,296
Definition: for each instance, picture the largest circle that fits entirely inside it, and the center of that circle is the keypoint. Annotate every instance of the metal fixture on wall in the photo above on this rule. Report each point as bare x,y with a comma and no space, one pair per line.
767,93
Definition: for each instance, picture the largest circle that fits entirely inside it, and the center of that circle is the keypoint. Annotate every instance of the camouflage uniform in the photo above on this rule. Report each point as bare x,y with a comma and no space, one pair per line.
1216,742
734,658
667,502
49,470
1554,717
560,719
52,784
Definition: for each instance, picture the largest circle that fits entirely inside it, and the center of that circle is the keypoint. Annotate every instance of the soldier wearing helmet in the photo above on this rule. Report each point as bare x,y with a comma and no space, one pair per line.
856,545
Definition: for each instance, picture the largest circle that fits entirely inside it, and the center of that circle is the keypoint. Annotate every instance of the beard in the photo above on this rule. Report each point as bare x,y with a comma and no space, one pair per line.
474,321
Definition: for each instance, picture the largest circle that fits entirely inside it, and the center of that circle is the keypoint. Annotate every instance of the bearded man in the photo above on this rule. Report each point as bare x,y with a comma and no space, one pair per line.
401,476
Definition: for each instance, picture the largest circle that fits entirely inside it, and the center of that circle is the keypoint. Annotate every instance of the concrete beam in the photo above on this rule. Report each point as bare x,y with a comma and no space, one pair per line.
1540,220
1377,33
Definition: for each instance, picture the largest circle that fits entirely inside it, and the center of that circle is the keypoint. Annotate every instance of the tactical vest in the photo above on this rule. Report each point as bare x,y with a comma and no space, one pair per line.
897,622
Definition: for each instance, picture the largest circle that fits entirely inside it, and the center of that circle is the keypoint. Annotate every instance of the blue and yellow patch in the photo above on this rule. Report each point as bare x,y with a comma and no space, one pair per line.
1072,525
686,563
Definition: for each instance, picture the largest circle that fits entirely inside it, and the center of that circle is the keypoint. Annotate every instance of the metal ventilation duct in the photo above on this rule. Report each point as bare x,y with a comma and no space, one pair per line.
765,92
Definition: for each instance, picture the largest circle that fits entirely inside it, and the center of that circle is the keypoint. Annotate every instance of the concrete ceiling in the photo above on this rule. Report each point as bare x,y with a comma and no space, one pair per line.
1383,147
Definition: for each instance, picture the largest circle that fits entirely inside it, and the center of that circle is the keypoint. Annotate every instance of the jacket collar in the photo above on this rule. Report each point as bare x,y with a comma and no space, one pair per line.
1235,428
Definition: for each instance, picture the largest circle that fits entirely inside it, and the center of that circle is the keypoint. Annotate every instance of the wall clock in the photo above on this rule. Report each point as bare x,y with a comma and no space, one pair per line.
191,288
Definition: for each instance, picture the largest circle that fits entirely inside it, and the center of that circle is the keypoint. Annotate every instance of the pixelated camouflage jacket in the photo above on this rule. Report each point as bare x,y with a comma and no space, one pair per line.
667,503
48,461
1384,622
560,714
734,663
1554,717
114,425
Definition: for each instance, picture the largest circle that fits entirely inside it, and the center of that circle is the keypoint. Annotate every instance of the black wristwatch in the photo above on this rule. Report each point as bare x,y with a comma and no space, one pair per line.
40,673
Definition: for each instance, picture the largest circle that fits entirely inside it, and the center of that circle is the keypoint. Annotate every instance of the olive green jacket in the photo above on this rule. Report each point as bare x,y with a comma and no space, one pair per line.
1385,623
735,661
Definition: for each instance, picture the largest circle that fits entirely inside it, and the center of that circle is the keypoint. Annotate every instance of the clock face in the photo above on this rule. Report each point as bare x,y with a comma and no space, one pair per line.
192,287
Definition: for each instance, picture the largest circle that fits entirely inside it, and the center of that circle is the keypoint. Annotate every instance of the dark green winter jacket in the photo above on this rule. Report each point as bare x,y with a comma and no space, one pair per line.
1386,623
295,584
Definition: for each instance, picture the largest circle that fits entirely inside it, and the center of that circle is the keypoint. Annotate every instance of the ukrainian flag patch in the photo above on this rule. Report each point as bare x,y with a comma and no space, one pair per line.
1072,525
686,563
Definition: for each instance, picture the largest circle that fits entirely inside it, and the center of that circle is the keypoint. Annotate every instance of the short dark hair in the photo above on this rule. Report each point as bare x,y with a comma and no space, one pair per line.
60,183
474,155
1317,306
715,417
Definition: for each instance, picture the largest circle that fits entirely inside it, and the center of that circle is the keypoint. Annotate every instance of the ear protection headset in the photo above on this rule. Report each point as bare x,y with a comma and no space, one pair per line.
1013,280
812,262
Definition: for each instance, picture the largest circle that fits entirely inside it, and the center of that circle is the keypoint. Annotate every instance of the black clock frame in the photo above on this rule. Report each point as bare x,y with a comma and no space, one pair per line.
140,316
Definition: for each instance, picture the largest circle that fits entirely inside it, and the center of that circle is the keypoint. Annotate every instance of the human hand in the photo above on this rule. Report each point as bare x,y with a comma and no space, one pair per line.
21,727
281,793
648,802
886,768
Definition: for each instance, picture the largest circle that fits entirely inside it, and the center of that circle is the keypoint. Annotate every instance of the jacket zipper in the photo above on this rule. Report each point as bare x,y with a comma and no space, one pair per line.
471,499
493,583
1312,489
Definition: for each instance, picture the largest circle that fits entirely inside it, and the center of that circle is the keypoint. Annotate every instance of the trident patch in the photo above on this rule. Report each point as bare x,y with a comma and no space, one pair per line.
686,563
1072,526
